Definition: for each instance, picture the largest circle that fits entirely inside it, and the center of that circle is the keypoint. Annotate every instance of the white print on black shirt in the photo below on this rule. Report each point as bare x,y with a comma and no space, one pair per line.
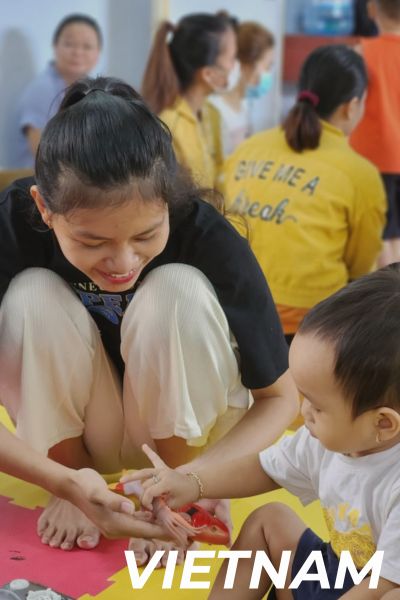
110,306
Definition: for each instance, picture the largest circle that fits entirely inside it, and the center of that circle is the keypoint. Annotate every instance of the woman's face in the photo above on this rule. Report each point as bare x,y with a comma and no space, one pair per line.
76,51
217,75
252,73
110,245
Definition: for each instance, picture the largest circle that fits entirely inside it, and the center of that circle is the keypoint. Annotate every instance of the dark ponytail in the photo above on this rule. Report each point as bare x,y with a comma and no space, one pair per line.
172,66
160,85
331,76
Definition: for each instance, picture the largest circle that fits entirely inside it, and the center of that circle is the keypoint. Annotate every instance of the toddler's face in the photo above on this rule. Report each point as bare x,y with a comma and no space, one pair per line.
327,413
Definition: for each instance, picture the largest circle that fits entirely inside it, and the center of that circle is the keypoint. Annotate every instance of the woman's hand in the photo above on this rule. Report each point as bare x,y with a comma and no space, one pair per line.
113,514
178,488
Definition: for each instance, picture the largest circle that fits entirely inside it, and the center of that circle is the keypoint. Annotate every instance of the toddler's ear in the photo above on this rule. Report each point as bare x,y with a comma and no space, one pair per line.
388,423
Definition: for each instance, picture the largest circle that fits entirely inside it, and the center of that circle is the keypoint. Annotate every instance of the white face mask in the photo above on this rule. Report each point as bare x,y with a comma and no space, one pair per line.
233,77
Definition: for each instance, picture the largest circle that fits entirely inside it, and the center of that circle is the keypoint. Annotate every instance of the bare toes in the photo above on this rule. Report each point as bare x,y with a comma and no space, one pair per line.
88,539
138,546
57,538
48,533
69,540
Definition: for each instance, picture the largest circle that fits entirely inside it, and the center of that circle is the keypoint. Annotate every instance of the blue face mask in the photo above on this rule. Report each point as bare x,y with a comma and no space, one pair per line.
263,87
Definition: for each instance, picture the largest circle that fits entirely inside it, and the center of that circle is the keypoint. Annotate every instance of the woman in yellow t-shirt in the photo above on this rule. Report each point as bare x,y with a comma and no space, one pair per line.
315,207
179,76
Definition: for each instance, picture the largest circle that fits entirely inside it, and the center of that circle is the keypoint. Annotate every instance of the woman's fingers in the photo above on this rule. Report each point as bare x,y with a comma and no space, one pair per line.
138,475
153,491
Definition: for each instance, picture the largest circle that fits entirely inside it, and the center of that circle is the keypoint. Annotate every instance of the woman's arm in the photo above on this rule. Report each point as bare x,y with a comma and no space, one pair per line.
237,478
274,408
84,488
33,136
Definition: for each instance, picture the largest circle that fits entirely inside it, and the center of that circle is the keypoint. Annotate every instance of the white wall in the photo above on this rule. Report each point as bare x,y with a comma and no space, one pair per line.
26,29
27,26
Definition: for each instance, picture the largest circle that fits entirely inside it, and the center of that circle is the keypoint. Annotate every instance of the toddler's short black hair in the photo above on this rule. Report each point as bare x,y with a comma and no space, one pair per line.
362,322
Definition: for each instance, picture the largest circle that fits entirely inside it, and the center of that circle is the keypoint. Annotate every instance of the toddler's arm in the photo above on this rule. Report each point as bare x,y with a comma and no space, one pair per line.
362,591
234,479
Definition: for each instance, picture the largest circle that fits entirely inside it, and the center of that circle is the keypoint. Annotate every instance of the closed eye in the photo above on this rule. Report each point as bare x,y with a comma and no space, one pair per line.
145,239
98,245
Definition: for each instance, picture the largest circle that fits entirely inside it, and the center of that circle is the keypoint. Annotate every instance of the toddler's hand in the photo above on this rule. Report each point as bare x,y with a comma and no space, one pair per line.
178,488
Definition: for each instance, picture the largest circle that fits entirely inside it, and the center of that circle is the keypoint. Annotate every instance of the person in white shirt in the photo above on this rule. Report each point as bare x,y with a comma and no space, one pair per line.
251,78
345,360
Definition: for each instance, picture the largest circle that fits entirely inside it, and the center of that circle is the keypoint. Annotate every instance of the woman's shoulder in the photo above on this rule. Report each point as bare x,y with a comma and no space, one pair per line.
362,176
358,167
208,235
17,194
259,145
44,80
180,109
205,218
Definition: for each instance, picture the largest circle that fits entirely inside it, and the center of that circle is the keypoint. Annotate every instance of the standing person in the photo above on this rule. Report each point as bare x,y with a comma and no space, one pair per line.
363,24
345,359
377,136
77,42
315,208
131,310
180,75
255,55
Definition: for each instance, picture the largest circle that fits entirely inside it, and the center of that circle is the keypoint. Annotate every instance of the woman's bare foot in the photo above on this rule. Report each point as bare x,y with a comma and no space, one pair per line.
62,525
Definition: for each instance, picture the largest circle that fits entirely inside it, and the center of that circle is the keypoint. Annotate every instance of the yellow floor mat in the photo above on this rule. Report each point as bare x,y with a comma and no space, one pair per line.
117,585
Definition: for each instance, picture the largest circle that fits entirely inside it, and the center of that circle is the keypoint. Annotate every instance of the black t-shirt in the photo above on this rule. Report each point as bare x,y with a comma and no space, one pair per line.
201,238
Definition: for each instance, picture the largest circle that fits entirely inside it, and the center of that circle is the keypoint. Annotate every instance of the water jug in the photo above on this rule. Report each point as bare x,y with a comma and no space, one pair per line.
328,17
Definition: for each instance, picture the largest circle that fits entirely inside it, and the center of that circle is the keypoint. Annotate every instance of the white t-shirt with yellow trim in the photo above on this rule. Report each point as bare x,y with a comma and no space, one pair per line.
315,217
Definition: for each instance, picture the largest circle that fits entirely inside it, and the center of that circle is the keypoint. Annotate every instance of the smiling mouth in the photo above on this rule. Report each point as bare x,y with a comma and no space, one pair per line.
120,277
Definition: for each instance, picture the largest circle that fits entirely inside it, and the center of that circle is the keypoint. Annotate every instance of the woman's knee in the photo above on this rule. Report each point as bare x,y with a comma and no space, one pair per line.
34,288
178,292
40,297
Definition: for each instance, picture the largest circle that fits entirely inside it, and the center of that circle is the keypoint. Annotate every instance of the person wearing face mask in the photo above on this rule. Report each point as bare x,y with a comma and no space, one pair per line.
180,75
77,42
253,79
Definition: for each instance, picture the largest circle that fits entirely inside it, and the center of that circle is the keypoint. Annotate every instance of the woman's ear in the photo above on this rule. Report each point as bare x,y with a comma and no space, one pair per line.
206,75
351,107
387,424
41,205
